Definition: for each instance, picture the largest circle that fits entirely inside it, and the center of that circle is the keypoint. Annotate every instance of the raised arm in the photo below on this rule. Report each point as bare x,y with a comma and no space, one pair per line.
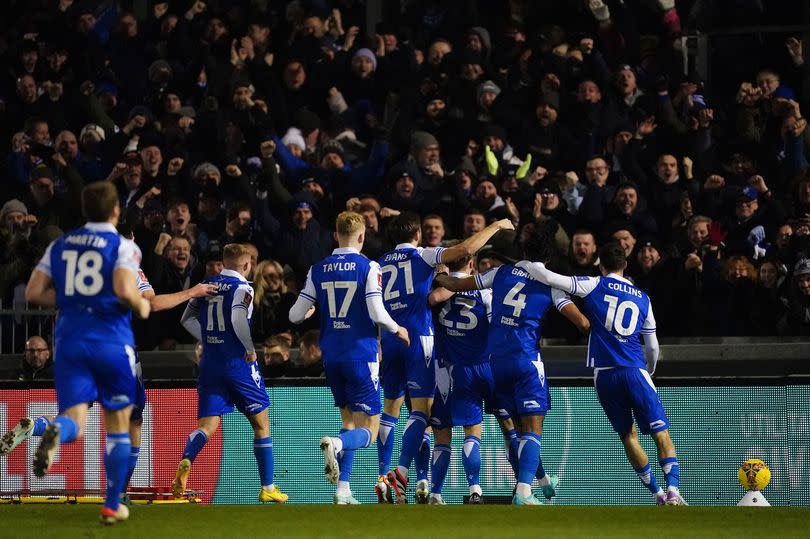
456,284
539,272
471,245
164,302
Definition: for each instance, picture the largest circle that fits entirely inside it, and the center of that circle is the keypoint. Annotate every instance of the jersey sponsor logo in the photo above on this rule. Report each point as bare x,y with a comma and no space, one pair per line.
340,324
213,339
531,404
397,306
657,424
508,321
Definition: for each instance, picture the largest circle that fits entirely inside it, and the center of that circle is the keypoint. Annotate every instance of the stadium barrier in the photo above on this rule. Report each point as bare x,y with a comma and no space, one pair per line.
715,428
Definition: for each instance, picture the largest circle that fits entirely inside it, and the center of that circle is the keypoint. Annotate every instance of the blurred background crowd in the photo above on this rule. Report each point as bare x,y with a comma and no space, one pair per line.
258,121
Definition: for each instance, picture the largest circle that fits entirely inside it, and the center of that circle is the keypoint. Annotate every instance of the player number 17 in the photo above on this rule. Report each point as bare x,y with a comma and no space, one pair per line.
330,287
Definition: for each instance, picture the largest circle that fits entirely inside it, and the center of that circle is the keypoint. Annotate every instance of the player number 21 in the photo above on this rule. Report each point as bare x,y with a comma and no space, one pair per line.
83,273
614,321
330,287
390,293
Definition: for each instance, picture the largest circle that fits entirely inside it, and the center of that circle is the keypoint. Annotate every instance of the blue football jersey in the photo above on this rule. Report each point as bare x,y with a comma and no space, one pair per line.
220,341
518,306
407,274
619,313
339,285
463,326
81,264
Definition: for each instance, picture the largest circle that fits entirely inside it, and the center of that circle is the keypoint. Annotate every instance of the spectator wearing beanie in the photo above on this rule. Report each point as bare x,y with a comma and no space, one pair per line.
303,240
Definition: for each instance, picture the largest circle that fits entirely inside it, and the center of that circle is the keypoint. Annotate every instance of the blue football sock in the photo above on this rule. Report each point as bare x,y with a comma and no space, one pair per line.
263,450
385,442
671,471
510,440
423,459
648,478
412,439
116,456
39,425
345,461
471,459
355,439
194,444
541,472
441,464
134,451
68,429
528,456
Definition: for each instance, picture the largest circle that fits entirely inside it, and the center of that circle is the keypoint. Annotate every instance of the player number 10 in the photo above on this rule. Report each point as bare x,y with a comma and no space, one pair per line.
616,313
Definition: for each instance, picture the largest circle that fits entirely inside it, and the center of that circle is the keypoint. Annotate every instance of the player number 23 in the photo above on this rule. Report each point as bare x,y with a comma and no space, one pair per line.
83,273
616,313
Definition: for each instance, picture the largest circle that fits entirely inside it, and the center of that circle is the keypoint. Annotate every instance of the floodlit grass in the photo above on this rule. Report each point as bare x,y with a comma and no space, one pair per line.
238,521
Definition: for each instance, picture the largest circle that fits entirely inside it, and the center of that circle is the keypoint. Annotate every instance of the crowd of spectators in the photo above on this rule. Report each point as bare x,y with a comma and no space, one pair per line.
257,122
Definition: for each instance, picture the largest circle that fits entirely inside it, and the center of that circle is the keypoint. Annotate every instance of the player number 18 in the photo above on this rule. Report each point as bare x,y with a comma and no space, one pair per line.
83,273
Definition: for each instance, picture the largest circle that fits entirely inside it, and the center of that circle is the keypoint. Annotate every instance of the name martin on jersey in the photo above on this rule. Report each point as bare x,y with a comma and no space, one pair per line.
87,239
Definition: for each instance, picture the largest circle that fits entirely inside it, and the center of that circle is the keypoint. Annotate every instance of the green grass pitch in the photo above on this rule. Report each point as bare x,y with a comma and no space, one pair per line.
238,521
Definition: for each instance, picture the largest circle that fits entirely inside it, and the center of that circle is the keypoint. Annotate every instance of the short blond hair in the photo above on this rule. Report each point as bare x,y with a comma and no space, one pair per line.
233,252
349,223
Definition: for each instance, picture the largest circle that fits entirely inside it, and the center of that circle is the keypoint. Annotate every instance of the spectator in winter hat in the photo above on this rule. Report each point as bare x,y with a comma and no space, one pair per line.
364,63
294,140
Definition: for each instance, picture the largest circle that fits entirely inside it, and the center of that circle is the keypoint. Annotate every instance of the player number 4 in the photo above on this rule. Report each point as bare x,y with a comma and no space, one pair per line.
516,300
83,273
330,287
614,321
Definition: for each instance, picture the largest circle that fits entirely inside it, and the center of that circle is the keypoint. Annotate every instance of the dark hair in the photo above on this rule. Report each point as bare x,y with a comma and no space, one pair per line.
404,227
125,229
612,257
99,199
539,243
311,338
626,185
236,209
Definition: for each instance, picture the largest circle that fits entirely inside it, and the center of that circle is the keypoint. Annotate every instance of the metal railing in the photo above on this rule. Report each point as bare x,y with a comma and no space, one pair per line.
20,321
